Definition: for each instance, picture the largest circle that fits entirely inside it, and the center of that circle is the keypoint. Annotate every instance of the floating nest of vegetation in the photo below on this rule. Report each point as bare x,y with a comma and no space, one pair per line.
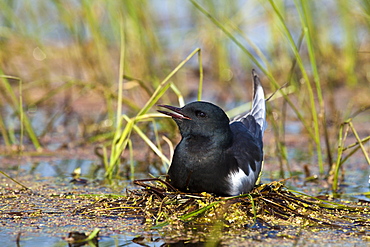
269,206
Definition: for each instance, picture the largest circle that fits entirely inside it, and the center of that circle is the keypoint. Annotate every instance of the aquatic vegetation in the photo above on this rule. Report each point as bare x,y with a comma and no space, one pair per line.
268,207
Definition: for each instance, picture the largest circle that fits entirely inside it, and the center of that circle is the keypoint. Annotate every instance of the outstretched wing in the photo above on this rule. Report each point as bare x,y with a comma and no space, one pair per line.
258,110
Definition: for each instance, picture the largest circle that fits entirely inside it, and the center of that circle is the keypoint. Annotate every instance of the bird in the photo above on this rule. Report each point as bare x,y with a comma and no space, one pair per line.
216,155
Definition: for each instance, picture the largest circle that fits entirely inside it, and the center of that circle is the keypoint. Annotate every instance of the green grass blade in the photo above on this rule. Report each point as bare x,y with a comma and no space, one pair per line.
316,133
151,145
188,215
338,164
120,75
253,207
161,89
19,110
120,139
200,86
359,142
305,20
4,132
119,143
178,94
259,65
132,164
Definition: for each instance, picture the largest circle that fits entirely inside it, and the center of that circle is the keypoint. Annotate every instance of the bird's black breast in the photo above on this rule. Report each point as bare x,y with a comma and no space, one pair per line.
199,168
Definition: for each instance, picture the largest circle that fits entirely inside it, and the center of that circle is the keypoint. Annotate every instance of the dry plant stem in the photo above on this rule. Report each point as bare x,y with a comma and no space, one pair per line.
359,142
341,140
15,181
132,163
341,149
366,139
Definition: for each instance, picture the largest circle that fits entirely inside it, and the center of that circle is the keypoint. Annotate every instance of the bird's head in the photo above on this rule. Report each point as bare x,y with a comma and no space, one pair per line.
199,119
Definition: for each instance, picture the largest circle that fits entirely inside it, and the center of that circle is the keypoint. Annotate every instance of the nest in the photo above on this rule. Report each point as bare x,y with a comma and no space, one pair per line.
269,206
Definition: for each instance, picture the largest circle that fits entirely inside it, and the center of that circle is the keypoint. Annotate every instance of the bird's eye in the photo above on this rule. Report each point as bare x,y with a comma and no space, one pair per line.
200,114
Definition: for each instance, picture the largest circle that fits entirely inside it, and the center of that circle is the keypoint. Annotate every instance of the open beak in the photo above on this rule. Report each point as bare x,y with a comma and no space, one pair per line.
176,112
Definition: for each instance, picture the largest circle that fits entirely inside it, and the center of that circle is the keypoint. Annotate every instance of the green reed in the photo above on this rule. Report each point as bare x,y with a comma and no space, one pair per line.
345,127
17,104
123,132
128,83
315,124
315,134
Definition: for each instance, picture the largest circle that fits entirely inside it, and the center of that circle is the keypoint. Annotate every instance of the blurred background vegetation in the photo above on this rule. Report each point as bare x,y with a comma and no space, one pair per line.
60,64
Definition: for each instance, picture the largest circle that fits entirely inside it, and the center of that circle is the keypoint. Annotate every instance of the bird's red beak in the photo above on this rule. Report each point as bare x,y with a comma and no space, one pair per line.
176,112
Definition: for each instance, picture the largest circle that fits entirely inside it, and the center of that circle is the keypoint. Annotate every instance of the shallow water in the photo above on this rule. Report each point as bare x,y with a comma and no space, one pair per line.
54,176
8,239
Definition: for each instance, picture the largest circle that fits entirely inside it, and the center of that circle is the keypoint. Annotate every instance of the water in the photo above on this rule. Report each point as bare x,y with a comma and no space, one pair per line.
62,168
8,239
